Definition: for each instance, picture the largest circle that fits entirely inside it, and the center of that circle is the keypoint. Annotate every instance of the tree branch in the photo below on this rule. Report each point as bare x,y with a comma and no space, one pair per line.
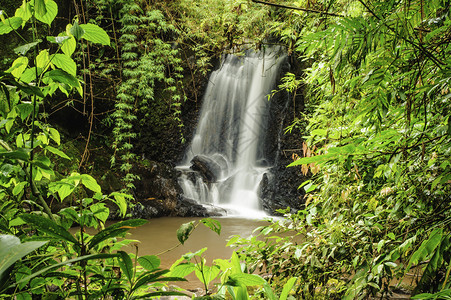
298,8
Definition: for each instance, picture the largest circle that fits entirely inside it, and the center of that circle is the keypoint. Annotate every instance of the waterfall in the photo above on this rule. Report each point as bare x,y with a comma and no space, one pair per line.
225,161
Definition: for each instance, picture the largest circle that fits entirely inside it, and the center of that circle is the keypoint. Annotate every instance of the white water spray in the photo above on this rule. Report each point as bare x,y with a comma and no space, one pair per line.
229,140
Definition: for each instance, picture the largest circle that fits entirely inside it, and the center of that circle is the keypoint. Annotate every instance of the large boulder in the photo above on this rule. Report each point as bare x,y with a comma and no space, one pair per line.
207,167
158,193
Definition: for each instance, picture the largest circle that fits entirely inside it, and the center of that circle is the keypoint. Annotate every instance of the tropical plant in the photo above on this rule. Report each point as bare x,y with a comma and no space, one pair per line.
377,147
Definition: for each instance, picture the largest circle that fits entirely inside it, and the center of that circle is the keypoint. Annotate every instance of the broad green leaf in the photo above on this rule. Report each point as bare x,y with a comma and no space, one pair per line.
22,154
100,211
12,250
149,262
183,270
49,227
30,74
55,135
65,189
24,110
51,10
287,288
208,274
95,34
19,66
10,24
248,279
40,8
63,77
69,46
126,264
24,11
19,188
57,152
184,232
121,202
212,224
43,60
89,182
75,30
65,63
426,248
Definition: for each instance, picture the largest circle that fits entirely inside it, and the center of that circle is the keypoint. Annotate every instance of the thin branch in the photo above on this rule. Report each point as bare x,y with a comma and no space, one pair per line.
299,8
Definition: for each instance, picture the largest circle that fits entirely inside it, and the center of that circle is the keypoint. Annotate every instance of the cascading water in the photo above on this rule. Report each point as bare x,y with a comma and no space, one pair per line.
225,162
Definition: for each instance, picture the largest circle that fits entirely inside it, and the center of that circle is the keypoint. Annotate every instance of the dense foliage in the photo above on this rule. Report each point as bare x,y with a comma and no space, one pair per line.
376,132
377,145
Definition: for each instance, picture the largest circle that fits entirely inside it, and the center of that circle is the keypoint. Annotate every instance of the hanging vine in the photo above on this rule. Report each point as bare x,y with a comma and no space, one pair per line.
150,65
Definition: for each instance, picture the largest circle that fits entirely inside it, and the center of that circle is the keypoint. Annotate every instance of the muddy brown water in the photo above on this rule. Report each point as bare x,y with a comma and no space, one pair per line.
159,235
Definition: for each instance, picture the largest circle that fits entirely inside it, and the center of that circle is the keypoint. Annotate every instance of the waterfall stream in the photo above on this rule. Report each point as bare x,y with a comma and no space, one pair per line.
225,161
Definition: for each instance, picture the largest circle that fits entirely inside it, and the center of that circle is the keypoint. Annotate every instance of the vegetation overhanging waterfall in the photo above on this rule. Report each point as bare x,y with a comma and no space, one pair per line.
225,161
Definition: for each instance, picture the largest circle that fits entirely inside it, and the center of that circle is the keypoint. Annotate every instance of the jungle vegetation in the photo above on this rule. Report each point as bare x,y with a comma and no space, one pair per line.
376,133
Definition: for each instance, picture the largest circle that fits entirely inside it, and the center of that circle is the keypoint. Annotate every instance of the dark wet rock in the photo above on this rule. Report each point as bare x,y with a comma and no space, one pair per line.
190,208
207,167
156,191
278,188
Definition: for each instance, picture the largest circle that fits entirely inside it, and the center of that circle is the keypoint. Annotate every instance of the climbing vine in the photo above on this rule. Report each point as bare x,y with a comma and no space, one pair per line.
151,67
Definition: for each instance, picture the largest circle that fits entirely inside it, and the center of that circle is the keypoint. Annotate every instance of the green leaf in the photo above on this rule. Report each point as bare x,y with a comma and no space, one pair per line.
76,31
40,8
11,250
183,270
89,182
24,11
313,159
269,292
19,188
153,295
65,62
119,199
25,48
63,189
10,24
21,154
426,248
70,261
49,227
287,288
51,10
149,262
25,110
95,34
248,279
115,230
63,77
100,211
69,46
43,60
126,264
55,135
18,66
185,231
58,39
57,152
208,274
212,224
